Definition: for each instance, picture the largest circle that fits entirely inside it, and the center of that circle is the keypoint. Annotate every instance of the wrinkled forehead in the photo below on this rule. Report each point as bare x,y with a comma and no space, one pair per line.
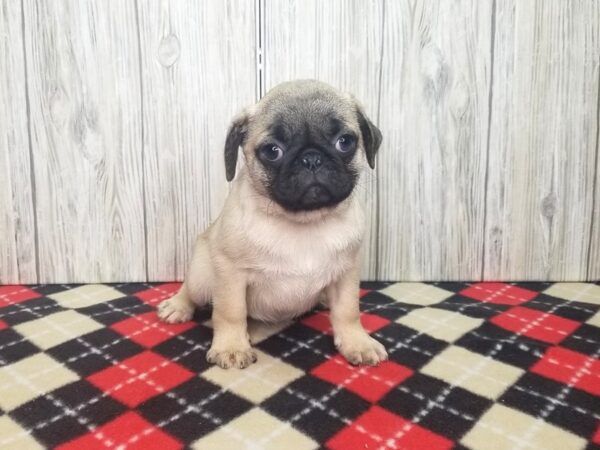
318,114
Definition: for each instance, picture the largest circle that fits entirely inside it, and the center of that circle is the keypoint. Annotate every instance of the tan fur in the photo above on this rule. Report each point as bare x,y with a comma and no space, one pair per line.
261,261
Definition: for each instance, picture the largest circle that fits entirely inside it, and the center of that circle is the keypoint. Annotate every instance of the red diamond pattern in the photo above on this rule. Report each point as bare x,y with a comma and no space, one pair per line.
147,330
157,294
535,324
569,367
12,294
500,293
140,377
371,383
596,437
130,431
378,427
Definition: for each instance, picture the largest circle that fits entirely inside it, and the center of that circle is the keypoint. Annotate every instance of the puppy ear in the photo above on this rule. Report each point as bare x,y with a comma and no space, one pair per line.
235,138
370,134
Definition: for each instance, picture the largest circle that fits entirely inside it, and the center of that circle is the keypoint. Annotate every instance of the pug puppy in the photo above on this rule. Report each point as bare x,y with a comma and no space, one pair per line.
290,232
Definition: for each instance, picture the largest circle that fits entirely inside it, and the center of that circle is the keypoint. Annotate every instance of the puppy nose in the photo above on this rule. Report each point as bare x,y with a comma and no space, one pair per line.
312,160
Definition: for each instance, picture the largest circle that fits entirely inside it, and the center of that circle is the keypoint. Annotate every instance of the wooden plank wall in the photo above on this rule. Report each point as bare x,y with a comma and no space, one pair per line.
544,142
198,70
84,96
18,256
434,107
113,116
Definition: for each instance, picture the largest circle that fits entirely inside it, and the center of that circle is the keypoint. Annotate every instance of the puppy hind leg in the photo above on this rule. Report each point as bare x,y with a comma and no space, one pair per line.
195,291
178,308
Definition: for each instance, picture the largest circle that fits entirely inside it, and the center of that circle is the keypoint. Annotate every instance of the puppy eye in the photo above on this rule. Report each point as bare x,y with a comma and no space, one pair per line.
345,143
271,152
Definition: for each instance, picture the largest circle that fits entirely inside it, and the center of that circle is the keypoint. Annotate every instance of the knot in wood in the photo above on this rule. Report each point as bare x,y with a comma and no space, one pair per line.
169,50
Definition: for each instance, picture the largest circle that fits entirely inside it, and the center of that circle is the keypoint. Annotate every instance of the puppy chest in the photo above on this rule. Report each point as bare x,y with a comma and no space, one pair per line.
307,264
275,298
287,287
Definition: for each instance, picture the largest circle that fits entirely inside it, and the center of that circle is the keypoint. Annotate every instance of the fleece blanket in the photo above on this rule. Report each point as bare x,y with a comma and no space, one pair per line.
472,365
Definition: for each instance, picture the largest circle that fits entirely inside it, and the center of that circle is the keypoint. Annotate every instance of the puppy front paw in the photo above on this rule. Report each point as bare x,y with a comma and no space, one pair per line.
232,357
360,348
175,310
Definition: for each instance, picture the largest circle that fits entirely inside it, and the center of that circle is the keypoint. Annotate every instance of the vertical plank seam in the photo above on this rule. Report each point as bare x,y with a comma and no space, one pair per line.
377,178
594,184
30,145
142,132
173,192
489,132
259,7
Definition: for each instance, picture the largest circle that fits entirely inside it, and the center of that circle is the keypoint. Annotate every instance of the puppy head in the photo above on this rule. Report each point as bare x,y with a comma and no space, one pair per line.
304,145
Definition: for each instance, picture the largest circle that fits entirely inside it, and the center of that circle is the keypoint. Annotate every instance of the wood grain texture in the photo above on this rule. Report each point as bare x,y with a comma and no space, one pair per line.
17,224
593,264
198,71
434,109
338,42
113,116
84,96
543,140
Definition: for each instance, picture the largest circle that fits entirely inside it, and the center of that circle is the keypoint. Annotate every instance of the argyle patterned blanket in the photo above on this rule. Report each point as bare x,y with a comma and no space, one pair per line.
479,366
